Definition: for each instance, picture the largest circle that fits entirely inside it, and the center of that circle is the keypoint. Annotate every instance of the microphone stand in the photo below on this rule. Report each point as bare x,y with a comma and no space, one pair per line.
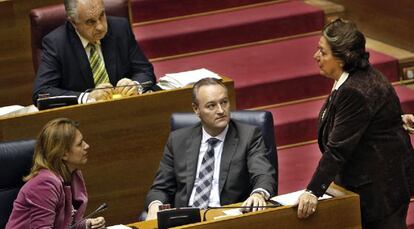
101,208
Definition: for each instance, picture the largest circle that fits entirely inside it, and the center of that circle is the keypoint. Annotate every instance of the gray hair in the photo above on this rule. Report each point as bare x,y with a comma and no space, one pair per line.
70,7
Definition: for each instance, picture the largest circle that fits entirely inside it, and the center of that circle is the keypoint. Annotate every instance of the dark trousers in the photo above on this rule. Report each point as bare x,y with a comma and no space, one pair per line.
394,221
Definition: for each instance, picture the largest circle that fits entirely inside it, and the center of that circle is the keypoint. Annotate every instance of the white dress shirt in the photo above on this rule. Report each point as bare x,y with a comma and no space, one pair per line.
340,81
214,200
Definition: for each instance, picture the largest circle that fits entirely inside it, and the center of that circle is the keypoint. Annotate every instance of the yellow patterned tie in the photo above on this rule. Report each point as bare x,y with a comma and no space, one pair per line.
98,68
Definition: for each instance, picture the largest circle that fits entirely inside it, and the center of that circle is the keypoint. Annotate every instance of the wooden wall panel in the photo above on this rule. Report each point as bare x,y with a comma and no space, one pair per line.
387,21
126,138
16,71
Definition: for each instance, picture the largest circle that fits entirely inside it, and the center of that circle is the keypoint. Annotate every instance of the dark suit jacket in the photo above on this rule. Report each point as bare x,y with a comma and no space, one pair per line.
64,68
243,168
364,145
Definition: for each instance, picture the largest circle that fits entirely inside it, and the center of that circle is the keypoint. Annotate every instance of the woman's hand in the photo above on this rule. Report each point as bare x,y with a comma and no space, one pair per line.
98,222
307,205
408,122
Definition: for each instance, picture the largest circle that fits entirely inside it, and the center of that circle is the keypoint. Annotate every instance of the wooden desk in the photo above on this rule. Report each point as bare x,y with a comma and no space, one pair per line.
342,211
127,138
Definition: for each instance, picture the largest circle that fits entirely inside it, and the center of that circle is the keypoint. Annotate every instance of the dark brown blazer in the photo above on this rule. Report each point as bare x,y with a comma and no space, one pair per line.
243,168
364,147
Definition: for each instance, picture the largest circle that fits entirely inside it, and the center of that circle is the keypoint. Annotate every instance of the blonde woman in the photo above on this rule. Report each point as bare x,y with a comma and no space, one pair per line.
54,195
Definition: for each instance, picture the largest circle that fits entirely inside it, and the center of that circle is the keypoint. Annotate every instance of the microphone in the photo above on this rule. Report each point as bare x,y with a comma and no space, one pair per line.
101,208
275,204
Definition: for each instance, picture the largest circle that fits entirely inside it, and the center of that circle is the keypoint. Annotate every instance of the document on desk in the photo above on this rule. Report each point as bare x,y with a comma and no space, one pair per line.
182,79
292,198
120,226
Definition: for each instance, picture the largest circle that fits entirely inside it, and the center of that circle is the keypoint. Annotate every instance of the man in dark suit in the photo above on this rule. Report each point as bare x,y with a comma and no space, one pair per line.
91,51
240,170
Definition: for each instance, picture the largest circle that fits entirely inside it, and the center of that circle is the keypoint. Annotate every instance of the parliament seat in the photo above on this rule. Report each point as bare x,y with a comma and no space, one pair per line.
15,162
45,19
261,119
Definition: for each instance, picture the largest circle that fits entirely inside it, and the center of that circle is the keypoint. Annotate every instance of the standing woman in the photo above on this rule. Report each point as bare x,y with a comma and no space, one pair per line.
54,195
364,146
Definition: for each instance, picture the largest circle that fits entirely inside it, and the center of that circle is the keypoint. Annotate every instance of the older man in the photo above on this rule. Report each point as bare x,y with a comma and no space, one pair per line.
216,162
90,51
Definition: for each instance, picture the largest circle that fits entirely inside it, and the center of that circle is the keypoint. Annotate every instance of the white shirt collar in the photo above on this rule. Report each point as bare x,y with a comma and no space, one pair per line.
84,41
220,136
340,81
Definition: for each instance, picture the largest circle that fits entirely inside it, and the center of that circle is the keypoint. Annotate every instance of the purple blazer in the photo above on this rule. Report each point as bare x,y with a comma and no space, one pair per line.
45,202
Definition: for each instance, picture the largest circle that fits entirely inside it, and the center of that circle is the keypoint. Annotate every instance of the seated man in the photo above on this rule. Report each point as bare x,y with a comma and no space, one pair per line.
91,51
216,162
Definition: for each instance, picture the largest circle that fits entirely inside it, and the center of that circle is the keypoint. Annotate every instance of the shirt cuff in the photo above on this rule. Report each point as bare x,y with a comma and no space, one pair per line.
139,87
83,97
154,202
262,190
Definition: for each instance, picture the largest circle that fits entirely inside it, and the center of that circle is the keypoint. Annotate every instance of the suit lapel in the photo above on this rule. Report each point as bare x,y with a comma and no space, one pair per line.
109,50
192,152
229,148
80,53
325,114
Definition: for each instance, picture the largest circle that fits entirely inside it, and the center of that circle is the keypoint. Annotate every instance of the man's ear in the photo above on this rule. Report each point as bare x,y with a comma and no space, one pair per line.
195,109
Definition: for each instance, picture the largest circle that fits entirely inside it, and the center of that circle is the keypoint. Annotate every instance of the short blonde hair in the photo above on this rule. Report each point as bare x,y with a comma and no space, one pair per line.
54,140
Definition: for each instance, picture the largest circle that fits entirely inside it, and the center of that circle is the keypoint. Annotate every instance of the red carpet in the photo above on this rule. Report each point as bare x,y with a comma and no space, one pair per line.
271,73
410,216
147,10
296,167
226,29
298,122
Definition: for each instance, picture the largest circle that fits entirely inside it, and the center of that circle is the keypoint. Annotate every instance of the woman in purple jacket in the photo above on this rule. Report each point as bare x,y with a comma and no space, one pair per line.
55,193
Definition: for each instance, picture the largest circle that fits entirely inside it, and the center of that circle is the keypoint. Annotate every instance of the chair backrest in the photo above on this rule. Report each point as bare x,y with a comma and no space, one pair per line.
15,162
45,19
261,119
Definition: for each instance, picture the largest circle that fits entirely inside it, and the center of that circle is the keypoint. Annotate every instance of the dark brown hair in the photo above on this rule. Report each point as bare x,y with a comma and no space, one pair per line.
205,82
347,44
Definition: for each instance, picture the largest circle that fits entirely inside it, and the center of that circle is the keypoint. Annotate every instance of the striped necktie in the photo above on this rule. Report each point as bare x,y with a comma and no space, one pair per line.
97,65
205,175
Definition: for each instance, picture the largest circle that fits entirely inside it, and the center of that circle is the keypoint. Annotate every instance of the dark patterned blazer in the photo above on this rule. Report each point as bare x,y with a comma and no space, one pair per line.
64,67
364,146
243,167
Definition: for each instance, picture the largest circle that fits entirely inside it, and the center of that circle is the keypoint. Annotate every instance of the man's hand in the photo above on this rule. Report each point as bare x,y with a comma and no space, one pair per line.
98,222
152,211
126,87
307,205
101,94
256,199
408,122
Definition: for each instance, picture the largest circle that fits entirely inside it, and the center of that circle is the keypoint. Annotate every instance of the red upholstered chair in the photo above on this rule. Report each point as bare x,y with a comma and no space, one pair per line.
45,19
